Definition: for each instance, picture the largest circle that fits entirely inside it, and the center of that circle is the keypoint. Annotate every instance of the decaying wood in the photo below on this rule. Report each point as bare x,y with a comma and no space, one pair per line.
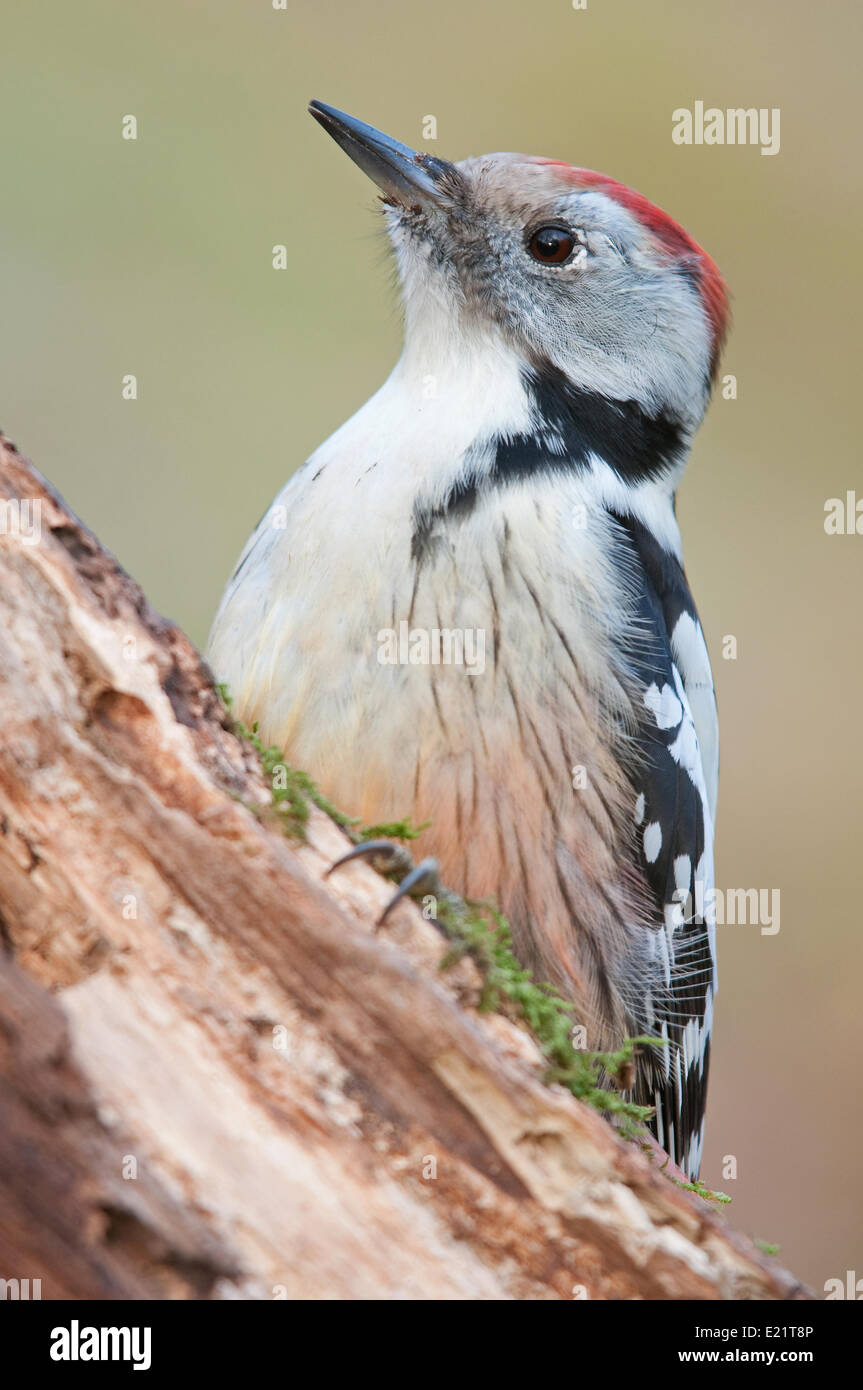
218,1080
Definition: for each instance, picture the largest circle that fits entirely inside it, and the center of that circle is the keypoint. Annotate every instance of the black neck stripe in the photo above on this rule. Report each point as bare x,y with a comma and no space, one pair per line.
570,424
577,422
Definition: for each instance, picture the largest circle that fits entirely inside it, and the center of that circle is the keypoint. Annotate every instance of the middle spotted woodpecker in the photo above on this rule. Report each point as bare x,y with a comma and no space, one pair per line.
509,493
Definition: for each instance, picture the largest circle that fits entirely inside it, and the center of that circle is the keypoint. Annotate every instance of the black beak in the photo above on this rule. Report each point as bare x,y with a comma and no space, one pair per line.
404,174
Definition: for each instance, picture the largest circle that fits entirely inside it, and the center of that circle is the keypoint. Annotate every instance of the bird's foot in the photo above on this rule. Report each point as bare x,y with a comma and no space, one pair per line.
419,881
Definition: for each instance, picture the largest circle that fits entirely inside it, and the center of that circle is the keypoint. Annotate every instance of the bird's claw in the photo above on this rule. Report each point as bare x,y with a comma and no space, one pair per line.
422,878
414,880
386,857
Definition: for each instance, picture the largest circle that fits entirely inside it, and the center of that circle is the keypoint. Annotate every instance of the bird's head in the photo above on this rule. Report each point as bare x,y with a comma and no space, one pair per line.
576,273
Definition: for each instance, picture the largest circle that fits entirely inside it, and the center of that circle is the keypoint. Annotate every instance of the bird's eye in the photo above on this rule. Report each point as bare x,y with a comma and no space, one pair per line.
552,245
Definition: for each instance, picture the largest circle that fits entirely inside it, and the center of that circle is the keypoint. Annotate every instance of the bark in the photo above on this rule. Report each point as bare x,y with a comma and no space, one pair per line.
217,1079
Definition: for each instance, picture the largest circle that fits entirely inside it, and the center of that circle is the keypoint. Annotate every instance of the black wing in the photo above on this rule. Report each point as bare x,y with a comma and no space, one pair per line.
675,781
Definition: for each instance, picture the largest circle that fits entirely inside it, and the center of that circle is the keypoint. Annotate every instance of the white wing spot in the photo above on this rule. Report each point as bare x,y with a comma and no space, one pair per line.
690,651
690,654
664,706
639,808
683,873
652,841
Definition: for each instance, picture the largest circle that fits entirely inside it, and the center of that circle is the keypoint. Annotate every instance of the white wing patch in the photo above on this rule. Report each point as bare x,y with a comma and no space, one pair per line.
689,650
652,841
664,706
686,752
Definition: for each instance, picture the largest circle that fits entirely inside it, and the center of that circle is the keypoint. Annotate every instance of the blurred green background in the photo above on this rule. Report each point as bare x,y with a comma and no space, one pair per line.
154,258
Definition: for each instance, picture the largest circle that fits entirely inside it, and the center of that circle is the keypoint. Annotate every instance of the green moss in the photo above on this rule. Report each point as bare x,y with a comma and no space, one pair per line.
766,1247
291,789
393,830
479,930
700,1190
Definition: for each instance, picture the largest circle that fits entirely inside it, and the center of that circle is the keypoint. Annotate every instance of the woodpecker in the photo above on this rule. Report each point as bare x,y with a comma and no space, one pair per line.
515,477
